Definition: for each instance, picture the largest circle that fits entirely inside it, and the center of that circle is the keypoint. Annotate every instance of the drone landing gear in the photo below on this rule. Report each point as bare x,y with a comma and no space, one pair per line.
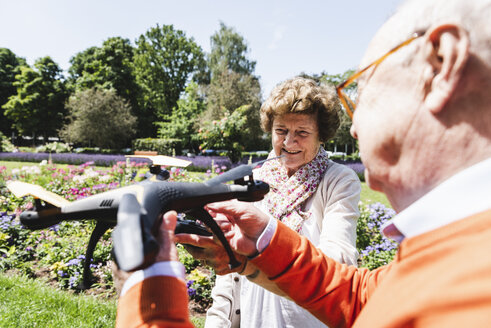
100,228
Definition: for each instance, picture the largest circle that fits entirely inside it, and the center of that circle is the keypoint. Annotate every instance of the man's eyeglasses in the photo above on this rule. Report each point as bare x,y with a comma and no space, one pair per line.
348,104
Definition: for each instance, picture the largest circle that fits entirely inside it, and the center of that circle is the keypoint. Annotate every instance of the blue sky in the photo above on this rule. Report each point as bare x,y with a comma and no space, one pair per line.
285,37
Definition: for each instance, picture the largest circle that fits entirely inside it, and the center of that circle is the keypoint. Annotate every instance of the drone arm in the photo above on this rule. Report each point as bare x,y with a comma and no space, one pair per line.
206,218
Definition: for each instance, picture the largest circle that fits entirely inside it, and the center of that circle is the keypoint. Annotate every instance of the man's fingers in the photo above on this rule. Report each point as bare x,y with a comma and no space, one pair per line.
167,250
169,220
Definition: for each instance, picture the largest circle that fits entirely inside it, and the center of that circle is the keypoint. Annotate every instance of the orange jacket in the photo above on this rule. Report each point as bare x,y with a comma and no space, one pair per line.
438,279
155,302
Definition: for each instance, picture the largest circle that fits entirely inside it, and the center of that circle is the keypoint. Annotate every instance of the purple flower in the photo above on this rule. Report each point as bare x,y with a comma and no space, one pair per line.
73,262
191,292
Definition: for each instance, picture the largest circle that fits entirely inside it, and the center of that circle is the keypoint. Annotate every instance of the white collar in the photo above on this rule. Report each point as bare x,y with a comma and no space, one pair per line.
464,194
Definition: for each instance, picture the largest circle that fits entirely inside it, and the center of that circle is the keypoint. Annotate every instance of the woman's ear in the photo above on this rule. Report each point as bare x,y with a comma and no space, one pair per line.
447,51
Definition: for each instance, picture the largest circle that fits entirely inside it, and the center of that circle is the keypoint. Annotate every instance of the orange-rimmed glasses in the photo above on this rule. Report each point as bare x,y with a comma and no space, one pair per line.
348,104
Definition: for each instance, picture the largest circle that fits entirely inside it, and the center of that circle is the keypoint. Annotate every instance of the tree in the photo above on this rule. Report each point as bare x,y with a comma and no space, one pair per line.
228,133
9,67
228,52
231,90
38,106
99,118
343,135
233,84
183,122
164,61
110,67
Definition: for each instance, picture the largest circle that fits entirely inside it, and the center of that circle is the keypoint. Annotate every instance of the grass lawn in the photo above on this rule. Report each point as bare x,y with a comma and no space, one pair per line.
31,303
370,196
28,302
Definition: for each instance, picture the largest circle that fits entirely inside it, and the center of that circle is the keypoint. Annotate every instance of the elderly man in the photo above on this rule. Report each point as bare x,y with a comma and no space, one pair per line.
423,120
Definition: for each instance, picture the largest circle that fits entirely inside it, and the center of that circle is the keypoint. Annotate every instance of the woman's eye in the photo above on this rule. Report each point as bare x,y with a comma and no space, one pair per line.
280,131
303,133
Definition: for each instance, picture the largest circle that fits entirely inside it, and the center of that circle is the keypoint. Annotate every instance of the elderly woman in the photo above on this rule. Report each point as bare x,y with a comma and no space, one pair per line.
311,194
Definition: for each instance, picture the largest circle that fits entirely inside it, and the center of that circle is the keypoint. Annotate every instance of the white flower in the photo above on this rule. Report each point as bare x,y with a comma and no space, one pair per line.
43,162
91,173
79,178
105,178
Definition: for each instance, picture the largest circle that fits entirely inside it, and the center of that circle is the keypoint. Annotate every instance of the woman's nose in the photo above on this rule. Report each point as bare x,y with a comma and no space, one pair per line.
289,139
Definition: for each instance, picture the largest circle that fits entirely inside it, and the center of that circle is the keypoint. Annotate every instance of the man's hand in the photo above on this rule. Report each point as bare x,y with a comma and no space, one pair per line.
247,224
167,251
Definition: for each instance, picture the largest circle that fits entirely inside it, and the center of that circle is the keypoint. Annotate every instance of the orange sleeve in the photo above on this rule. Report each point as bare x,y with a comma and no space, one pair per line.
155,302
333,292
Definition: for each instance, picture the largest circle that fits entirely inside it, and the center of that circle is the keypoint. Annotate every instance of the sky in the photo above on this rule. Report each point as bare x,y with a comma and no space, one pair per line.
284,37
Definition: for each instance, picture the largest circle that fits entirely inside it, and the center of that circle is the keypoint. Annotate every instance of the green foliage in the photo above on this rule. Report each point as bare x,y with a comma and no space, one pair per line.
167,147
189,262
164,60
109,67
228,52
99,118
229,133
343,135
9,67
233,84
38,106
229,91
5,144
182,123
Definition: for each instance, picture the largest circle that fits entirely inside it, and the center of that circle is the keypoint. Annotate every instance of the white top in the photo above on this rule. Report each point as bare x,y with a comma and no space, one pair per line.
464,194
332,227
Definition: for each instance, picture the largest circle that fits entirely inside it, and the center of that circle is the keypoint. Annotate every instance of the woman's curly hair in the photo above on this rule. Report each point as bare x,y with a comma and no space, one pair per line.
303,96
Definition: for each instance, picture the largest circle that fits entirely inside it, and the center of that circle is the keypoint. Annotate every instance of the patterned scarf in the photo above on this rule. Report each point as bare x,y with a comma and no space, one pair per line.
287,194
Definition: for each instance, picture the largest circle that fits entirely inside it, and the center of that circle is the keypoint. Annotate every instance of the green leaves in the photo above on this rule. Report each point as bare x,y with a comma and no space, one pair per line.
183,122
38,106
228,133
164,60
100,118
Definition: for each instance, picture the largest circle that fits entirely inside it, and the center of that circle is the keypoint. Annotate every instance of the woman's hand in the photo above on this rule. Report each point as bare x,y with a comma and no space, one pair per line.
247,223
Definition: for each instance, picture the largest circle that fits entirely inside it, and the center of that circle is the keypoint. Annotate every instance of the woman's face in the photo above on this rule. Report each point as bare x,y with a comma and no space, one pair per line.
296,136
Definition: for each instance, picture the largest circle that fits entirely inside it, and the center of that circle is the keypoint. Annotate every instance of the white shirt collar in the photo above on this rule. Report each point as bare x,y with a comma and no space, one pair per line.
464,194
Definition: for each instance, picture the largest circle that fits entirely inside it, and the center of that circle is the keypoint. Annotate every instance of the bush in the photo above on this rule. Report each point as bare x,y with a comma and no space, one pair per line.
100,118
5,144
229,133
169,147
375,250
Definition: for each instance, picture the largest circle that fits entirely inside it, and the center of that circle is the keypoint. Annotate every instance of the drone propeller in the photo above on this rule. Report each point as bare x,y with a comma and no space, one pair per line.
164,160
21,189
237,174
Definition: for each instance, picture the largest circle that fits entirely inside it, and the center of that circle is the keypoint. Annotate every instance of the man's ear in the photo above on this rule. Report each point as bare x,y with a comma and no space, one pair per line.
447,51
